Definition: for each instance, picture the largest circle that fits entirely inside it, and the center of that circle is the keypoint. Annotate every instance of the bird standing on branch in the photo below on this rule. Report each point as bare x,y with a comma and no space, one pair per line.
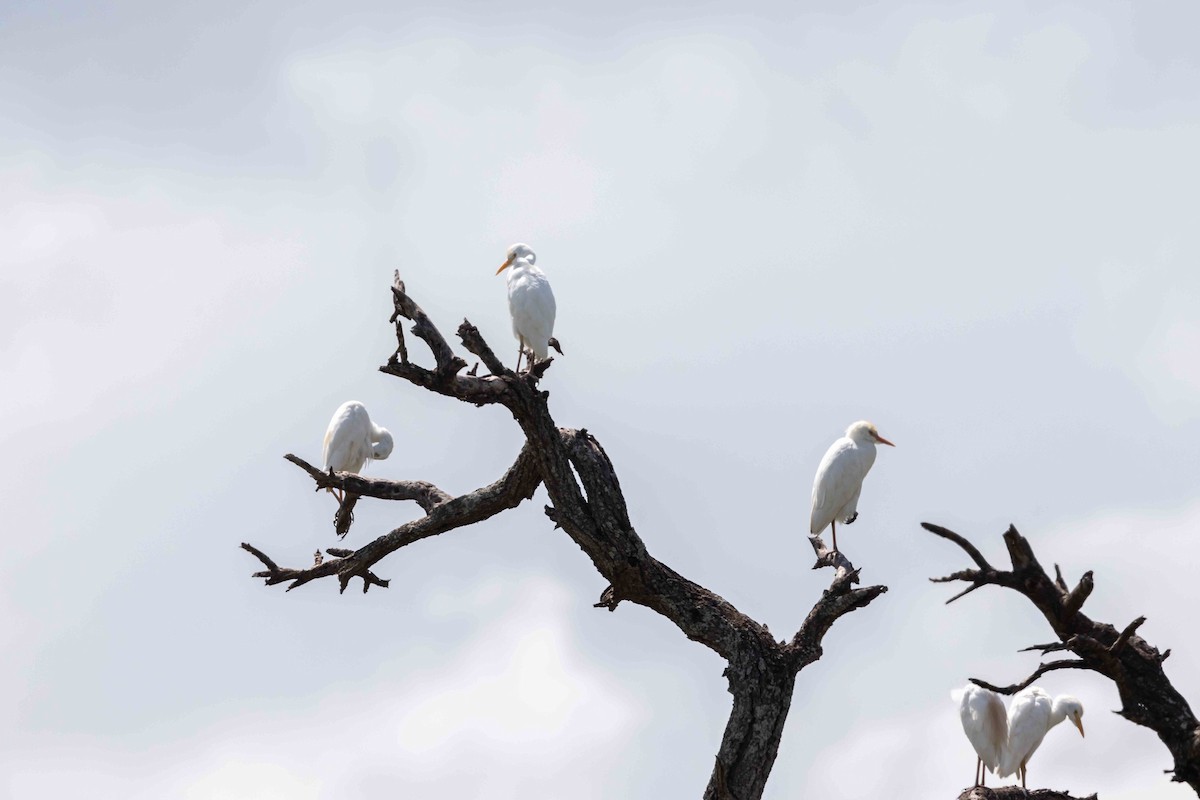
839,478
985,723
1030,717
531,304
352,440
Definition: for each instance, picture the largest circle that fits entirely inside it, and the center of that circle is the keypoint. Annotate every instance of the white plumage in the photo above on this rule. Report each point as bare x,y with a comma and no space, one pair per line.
839,479
1031,715
985,723
352,439
531,304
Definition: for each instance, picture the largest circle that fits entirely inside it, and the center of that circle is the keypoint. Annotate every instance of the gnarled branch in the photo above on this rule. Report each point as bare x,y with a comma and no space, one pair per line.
1017,793
587,503
515,486
1147,696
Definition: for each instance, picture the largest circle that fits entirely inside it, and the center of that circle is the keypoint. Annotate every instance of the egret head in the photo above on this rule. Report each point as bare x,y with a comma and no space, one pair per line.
863,431
1073,709
382,448
518,250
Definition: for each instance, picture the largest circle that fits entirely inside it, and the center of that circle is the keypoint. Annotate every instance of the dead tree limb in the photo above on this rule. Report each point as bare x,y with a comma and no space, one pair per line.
1017,793
587,503
1147,696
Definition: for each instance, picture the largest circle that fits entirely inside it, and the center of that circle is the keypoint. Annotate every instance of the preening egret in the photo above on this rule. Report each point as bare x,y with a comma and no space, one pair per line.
352,440
531,304
839,478
985,723
1030,716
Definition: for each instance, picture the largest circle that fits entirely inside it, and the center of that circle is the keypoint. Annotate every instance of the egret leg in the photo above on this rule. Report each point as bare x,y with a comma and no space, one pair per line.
523,352
1024,773
982,773
833,526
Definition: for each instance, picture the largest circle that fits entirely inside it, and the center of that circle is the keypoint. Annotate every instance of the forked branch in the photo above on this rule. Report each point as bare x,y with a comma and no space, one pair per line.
1147,697
515,486
587,503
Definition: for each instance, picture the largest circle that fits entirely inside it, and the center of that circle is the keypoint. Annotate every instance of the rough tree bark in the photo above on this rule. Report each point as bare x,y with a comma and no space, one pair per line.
1017,793
1147,696
591,510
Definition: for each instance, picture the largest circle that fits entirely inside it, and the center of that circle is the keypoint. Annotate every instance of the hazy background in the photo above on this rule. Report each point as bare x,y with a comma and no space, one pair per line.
975,227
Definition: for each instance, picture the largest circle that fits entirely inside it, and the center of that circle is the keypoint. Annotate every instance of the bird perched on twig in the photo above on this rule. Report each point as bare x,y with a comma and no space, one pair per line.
531,304
839,478
985,723
352,440
1030,717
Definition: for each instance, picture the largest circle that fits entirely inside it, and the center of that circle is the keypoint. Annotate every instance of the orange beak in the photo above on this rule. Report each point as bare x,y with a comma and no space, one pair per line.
882,440
1078,724
505,265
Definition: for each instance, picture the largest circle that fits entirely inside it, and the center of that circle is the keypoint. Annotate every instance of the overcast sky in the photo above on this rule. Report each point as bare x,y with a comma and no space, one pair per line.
974,227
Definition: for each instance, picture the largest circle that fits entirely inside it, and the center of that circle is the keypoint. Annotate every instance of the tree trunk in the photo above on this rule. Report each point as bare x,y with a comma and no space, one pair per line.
762,695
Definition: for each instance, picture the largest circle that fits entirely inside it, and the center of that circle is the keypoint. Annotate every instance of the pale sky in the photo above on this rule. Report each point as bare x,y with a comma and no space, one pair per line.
975,227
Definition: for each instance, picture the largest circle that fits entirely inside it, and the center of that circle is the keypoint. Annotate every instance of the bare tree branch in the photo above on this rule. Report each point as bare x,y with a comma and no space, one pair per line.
587,503
472,339
1147,697
1017,793
426,495
971,549
1058,580
515,486
1123,638
1044,648
1039,672
447,362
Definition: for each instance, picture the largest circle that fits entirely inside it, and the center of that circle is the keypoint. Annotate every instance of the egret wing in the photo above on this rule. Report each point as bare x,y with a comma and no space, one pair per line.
1028,721
531,303
995,721
985,723
839,478
348,440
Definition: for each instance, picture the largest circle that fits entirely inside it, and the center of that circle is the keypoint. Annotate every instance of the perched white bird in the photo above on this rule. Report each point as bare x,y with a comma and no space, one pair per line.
531,304
352,439
985,723
840,476
1030,716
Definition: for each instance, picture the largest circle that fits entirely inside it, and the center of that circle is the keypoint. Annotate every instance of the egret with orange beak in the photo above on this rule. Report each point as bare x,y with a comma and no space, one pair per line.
840,477
531,305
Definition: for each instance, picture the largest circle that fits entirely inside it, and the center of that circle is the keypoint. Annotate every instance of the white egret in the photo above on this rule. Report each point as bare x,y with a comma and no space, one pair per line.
985,723
352,440
1031,715
840,476
531,304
